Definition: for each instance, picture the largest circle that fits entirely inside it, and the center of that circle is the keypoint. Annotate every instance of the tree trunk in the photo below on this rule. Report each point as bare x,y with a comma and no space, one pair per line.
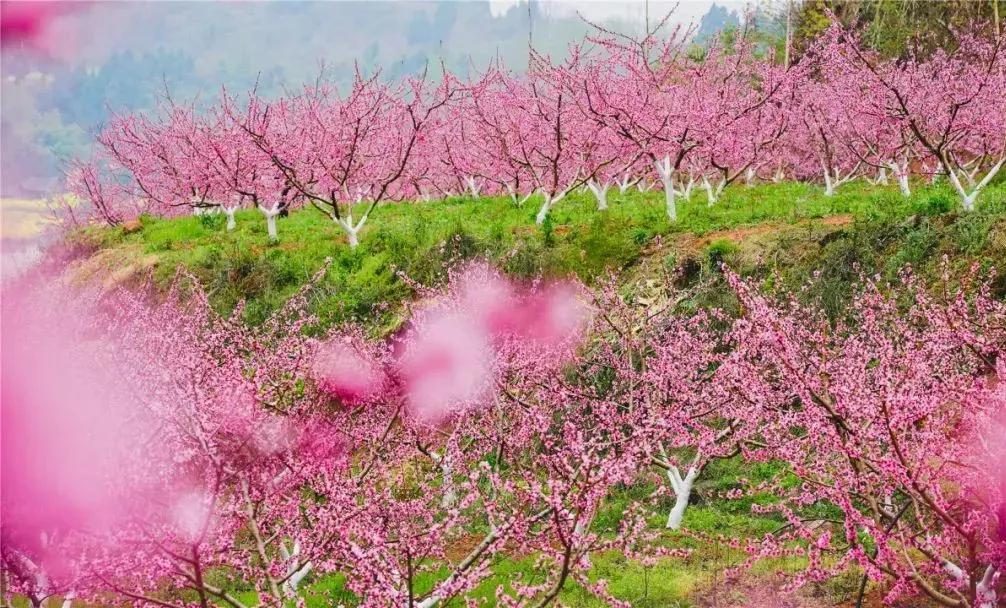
710,194
829,185
546,206
447,472
666,173
231,223
682,492
473,186
600,193
903,184
352,230
968,199
985,592
270,221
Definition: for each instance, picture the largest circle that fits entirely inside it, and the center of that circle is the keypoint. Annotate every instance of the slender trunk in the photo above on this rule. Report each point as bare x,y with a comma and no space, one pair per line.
666,172
600,193
295,571
625,183
901,174
689,185
829,185
447,472
995,18
882,176
789,34
968,199
270,221
710,194
296,577
352,230
903,185
985,592
749,175
546,206
473,186
231,223
682,487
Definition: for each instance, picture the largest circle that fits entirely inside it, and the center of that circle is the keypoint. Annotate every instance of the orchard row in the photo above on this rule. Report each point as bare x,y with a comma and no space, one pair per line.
618,112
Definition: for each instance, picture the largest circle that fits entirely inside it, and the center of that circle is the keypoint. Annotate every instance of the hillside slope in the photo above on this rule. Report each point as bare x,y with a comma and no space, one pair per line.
789,228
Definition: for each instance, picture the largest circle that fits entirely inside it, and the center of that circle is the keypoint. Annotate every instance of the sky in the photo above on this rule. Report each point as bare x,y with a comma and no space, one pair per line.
628,10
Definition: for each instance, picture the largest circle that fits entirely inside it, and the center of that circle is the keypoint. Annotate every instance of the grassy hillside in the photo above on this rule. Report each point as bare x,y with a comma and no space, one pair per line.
789,228
780,232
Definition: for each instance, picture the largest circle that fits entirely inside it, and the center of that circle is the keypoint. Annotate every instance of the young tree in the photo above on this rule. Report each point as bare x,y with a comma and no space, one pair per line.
335,152
535,123
882,417
951,101
649,99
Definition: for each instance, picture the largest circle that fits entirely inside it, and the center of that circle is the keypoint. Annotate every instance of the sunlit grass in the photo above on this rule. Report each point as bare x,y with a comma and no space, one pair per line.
422,239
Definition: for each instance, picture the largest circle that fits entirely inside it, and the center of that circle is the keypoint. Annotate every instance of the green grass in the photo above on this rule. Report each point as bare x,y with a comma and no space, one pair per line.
422,239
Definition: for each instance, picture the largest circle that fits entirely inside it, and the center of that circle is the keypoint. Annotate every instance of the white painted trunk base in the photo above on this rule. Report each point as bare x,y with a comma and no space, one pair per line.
666,173
682,487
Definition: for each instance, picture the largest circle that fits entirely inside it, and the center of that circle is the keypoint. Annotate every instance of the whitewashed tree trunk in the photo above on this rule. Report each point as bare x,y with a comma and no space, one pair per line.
682,487
546,205
625,183
352,230
985,593
985,589
270,214
473,186
969,198
450,496
749,175
231,222
713,192
829,186
666,173
882,176
515,196
779,175
833,181
600,193
686,193
900,172
295,570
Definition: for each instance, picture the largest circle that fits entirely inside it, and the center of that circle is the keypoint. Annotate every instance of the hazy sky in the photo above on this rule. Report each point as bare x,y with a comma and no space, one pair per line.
66,65
599,10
